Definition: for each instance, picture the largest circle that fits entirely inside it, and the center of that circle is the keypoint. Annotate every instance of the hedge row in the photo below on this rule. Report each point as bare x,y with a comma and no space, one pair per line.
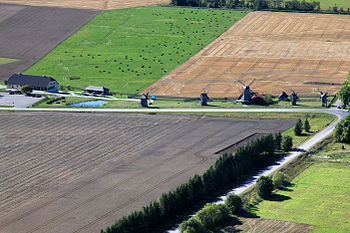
227,170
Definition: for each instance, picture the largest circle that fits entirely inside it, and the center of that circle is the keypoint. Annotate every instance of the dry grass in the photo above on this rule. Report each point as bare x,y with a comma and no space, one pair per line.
283,51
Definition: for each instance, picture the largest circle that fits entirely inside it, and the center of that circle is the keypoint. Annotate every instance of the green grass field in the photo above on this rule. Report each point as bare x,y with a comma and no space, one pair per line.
4,60
320,196
127,50
325,4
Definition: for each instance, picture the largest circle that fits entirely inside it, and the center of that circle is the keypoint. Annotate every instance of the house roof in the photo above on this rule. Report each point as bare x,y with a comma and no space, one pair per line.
30,80
94,88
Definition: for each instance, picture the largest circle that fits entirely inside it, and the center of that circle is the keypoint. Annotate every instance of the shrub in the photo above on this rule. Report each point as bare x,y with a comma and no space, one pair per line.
278,140
298,128
280,180
192,224
268,99
234,203
26,89
212,214
287,143
264,187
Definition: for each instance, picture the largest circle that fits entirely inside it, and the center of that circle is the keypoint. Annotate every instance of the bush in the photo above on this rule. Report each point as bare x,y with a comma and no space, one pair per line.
234,203
212,214
280,180
268,99
278,140
192,224
342,130
287,143
264,187
298,128
26,89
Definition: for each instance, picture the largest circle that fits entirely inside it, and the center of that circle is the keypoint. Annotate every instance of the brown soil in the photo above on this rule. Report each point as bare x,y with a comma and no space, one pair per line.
28,33
258,225
282,51
88,4
71,172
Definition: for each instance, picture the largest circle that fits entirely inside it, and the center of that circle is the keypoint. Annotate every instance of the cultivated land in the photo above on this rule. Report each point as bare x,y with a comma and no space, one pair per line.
283,51
80,172
28,33
319,196
88,4
127,50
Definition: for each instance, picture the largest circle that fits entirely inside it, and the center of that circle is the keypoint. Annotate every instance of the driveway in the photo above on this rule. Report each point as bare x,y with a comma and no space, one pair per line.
17,101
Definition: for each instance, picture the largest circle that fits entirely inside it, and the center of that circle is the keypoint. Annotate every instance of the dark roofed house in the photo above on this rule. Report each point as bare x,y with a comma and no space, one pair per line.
38,83
96,90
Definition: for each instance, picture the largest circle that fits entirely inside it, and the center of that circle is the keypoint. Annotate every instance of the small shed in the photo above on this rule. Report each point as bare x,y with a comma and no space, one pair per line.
96,90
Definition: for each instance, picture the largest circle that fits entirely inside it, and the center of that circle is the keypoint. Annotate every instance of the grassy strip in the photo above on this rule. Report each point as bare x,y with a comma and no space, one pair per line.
126,50
307,102
4,60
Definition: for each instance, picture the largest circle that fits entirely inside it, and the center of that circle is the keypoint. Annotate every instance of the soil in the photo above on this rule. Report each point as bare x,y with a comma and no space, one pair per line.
28,33
88,4
79,172
308,53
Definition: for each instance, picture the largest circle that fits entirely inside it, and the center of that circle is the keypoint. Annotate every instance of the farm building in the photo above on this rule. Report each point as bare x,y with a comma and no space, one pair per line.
96,90
39,83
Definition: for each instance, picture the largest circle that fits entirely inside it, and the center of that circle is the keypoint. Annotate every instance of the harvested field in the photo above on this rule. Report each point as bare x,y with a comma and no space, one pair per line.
28,33
80,172
258,225
88,4
282,51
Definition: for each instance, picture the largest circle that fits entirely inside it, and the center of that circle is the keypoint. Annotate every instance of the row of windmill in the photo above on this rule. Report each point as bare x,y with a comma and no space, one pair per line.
247,95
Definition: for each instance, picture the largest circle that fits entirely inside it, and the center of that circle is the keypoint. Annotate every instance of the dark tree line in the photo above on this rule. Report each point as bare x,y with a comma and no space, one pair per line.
293,5
227,170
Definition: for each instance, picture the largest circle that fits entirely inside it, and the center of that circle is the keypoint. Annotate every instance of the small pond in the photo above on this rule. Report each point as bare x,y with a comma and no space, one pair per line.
87,104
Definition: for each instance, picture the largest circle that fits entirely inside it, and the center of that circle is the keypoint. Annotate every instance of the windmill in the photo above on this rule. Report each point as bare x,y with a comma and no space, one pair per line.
294,98
246,95
144,100
323,99
204,97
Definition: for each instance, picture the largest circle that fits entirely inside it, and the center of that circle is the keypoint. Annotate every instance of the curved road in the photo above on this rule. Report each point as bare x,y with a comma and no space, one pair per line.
250,182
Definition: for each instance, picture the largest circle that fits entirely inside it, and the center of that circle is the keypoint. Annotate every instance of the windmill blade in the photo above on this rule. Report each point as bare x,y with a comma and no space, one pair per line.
241,82
251,83
322,92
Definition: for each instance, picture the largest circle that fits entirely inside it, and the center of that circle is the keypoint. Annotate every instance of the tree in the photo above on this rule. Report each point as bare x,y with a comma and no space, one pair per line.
287,143
298,128
279,180
278,140
234,203
342,130
194,224
345,93
264,187
26,89
307,125
212,214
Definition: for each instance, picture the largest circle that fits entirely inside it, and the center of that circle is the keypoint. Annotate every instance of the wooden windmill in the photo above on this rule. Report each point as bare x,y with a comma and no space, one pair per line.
323,99
204,98
294,98
246,95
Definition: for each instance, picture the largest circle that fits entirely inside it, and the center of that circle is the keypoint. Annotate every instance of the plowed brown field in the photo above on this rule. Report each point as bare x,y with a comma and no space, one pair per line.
87,4
71,172
282,51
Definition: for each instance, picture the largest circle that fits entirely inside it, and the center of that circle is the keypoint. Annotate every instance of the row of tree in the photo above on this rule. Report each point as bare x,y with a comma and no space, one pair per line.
292,5
227,170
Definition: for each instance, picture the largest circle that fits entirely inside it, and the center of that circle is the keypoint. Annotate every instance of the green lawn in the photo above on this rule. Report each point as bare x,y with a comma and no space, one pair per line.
325,4
4,60
126,50
320,196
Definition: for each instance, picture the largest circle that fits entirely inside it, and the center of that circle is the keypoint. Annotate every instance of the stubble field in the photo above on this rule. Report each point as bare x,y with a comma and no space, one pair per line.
282,51
80,172
88,4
